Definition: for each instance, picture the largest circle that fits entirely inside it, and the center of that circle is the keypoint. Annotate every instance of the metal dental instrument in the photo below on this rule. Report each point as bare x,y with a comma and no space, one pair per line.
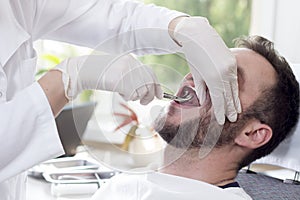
176,98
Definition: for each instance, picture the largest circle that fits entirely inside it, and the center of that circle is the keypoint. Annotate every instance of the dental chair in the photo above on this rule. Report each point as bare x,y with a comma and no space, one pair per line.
261,186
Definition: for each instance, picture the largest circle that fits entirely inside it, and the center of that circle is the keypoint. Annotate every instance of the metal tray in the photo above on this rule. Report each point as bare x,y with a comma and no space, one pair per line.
62,165
84,176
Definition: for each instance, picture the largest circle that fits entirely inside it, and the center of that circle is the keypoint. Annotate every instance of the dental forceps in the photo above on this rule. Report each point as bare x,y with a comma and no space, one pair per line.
176,98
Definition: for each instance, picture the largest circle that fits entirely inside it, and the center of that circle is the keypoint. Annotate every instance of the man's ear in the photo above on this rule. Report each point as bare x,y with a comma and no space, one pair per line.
254,135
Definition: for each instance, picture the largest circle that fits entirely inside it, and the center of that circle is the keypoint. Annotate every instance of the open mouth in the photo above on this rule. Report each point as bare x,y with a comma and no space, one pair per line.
188,93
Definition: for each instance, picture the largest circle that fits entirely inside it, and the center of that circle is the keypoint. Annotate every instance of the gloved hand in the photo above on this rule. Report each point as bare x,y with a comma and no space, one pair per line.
212,64
123,74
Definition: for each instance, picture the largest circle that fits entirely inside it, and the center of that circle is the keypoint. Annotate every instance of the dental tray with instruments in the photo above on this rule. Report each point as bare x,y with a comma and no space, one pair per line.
86,176
70,170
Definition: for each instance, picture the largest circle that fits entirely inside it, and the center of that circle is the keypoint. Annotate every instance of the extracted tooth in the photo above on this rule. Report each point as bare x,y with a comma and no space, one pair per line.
185,93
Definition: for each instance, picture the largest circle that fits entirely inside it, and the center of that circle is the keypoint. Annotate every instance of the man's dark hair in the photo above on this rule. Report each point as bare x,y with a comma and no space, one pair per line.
277,106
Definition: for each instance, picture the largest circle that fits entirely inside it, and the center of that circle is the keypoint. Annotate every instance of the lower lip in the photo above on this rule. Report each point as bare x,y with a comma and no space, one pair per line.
178,105
174,103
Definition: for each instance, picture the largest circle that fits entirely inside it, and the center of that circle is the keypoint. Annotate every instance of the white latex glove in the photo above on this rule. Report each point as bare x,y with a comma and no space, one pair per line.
211,64
126,75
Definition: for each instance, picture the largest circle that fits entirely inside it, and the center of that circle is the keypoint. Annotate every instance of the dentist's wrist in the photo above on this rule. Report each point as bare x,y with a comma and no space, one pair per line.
53,87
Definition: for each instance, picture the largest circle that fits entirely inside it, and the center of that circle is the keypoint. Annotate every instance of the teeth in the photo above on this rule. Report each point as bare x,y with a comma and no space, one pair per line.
185,93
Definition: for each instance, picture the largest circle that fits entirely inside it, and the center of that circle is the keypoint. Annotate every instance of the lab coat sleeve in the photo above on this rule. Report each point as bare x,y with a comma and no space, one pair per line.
28,133
115,26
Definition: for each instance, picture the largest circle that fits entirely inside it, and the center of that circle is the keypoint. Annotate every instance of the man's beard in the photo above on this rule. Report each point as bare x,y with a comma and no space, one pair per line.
193,133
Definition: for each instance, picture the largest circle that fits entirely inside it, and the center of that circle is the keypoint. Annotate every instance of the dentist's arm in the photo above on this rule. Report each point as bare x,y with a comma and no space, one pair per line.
211,64
114,26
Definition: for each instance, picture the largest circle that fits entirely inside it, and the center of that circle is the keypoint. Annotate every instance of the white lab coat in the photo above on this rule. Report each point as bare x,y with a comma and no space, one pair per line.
159,186
28,132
